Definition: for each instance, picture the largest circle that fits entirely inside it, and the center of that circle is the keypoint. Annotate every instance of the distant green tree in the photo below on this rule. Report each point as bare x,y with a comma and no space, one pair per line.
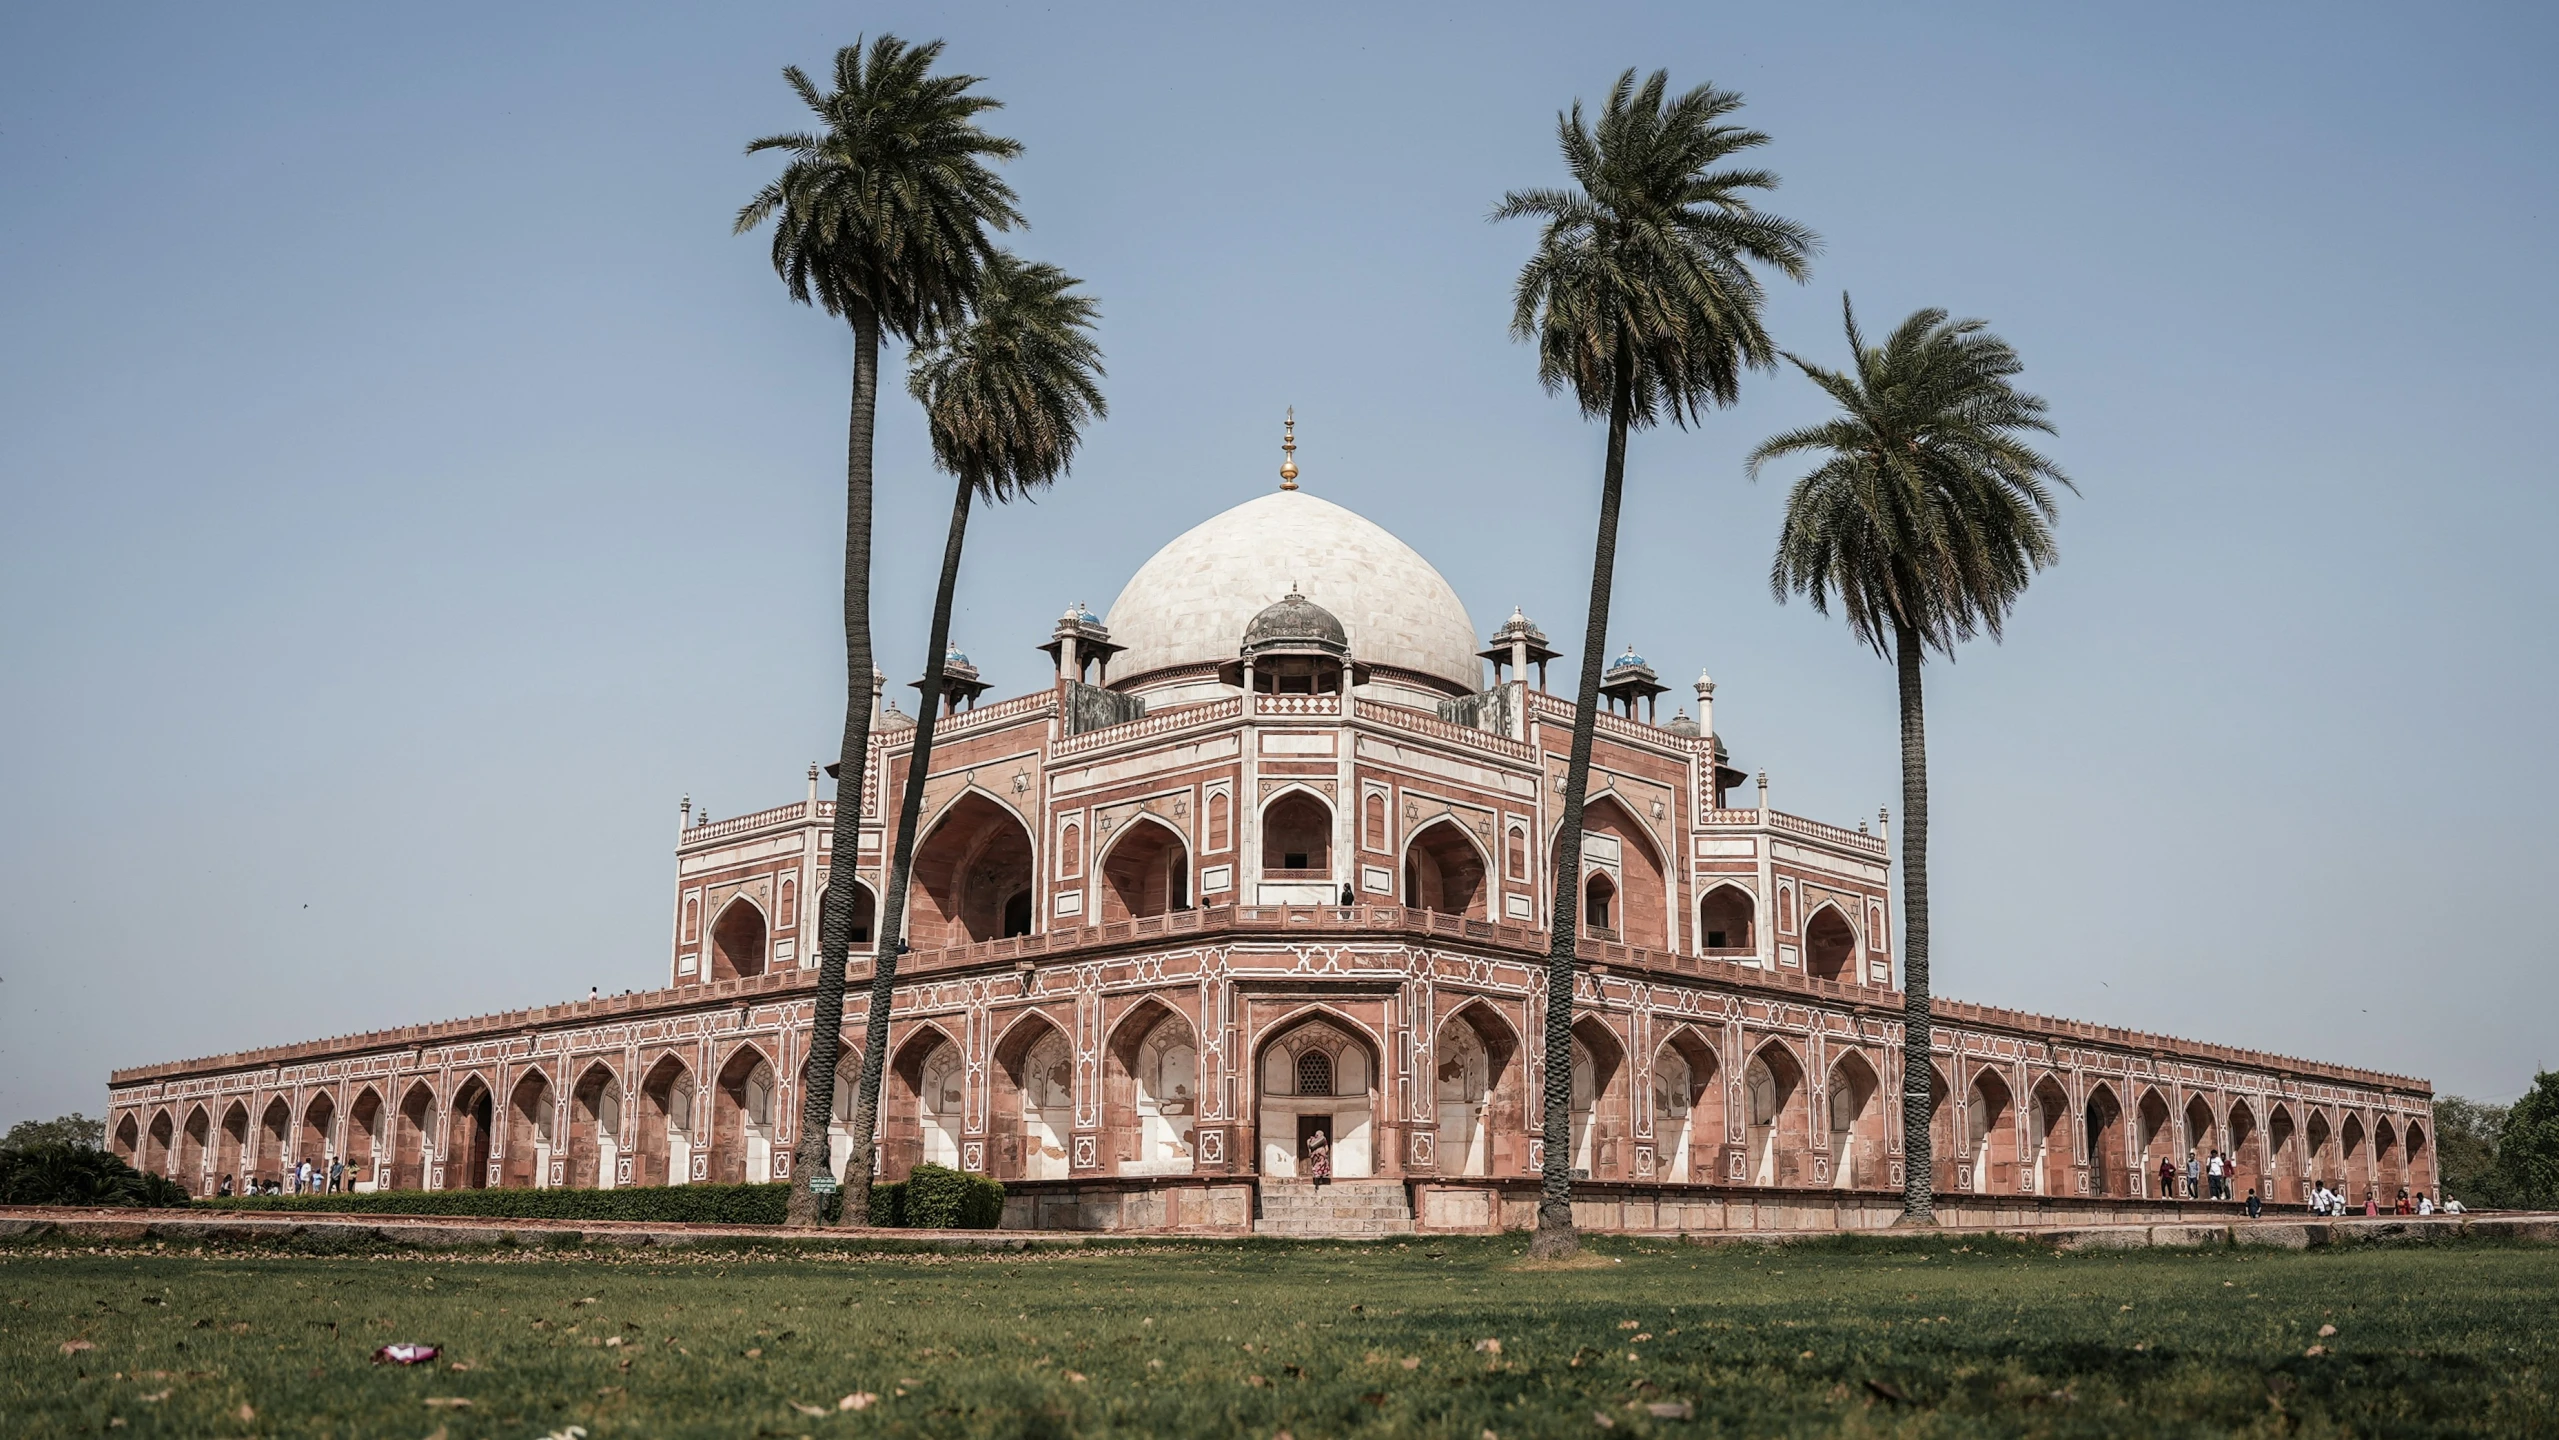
75,1130
2525,1175
2466,1146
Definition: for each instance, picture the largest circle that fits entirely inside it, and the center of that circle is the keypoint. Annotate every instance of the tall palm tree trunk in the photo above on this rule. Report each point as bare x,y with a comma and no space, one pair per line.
835,918
892,918
1919,1173
1555,1236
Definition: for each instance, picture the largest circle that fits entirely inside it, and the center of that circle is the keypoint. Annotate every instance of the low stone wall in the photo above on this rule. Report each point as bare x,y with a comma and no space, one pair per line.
1486,1206
1209,1204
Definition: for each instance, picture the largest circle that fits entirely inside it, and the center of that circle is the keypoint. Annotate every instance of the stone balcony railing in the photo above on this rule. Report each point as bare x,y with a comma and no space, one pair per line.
1284,705
1241,925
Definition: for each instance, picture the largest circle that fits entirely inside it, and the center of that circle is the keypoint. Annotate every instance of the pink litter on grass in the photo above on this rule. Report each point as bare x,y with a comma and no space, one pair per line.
406,1354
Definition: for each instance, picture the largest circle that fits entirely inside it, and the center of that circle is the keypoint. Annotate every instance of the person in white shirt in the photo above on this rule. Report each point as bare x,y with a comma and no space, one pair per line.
2452,1207
2425,1203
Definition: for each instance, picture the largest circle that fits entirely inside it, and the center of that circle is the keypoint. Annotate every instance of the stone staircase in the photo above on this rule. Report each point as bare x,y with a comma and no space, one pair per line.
1341,1210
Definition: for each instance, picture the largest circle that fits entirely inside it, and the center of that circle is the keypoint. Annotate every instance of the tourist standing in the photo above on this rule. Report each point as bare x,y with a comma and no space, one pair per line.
2194,1177
2220,1181
1319,1158
2167,1178
337,1176
225,1187
2256,1207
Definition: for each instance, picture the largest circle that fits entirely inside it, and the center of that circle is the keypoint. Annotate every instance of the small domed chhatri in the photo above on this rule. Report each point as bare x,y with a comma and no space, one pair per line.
1263,857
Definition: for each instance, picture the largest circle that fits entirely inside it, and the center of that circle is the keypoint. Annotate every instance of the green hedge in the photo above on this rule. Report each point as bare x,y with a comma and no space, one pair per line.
937,1199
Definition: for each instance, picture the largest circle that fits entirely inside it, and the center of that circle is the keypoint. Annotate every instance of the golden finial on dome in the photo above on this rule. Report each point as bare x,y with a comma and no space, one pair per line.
1288,452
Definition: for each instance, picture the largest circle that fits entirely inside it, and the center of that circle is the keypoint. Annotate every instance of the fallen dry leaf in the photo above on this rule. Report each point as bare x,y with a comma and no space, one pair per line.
858,1400
1256,1381
460,1365
810,1409
154,1398
1629,1325
1075,1377
1602,1421
2316,1350
1411,1362
1488,1347
74,1347
448,1402
246,1411
438,1433
757,1353
2327,1330
1887,1390
1671,1410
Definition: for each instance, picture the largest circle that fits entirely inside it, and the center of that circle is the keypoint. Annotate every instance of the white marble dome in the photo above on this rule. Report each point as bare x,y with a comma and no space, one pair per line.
1190,604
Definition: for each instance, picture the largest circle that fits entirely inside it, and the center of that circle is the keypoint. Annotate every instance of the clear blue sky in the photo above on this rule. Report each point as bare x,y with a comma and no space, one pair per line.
409,488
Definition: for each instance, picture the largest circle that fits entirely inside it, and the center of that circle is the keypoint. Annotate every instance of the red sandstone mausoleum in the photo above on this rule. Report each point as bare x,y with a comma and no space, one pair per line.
1270,856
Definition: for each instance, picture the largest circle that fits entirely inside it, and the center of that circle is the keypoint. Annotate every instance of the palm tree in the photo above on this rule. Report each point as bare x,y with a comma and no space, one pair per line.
1642,302
1007,396
880,218
1924,519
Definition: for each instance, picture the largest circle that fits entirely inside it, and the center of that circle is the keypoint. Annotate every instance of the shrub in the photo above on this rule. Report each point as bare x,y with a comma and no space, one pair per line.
52,1173
942,1199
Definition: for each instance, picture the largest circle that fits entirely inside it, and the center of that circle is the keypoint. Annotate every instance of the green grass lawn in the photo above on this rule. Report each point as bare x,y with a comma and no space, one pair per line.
1948,1338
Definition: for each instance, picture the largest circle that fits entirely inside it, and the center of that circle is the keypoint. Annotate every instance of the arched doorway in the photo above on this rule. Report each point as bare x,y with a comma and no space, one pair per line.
595,1129
2105,1121
529,1134
275,1143
738,941
318,1139
1146,871
417,1129
742,1119
1601,1128
128,1138
2421,1161
1317,1075
2353,1160
1599,906
2246,1171
1725,921
1444,871
2283,1164
1991,1147
1773,1134
2385,1162
1034,1119
158,1143
1150,1091
2047,1170
474,1113
865,915
195,1139
973,876
1297,838
2158,1144
1856,1124
666,1124
2203,1140
2321,1169
1830,947
1475,1094
928,1105
365,1139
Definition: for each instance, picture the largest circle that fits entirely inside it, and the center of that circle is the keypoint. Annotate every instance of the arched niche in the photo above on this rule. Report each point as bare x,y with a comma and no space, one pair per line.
2045,1169
159,1142
473,1123
738,940
745,1118
1317,1073
2104,1122
1990,1142
595,1129
1855,1115
1773,1120
1475,1085
1601,1124
1617,846
1297,837
1151,1091
231,1152
1688,1108
973,876
275,1140
2158,1137
417,1129
668,1124
2245,1157
195,1140
367,1139
1727,922
1830,946
2283,1159
531,1137
926,1104
1033,1121
316,1139
1444,871
1146,871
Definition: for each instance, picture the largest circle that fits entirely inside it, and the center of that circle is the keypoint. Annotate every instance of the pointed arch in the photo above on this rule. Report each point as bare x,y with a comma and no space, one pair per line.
1688,1107
1151,1089
1031,1117
1317,1070
2282,1155
1852,1096
925,1104
367,1139
2104,1153
1447,870
1476,1083
866,912
530,1131
2245,1167
1297,834
473,1130
2157,1132
127,1139
1990,1144
669,1123
416,1131
1617,845
1602,1090
1146,869
974,874
1773,1119
158,1141
1830,945
275,1139
195,1140
595,1128
1727,921
746,1117
2045,1167
740,939
317,1138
